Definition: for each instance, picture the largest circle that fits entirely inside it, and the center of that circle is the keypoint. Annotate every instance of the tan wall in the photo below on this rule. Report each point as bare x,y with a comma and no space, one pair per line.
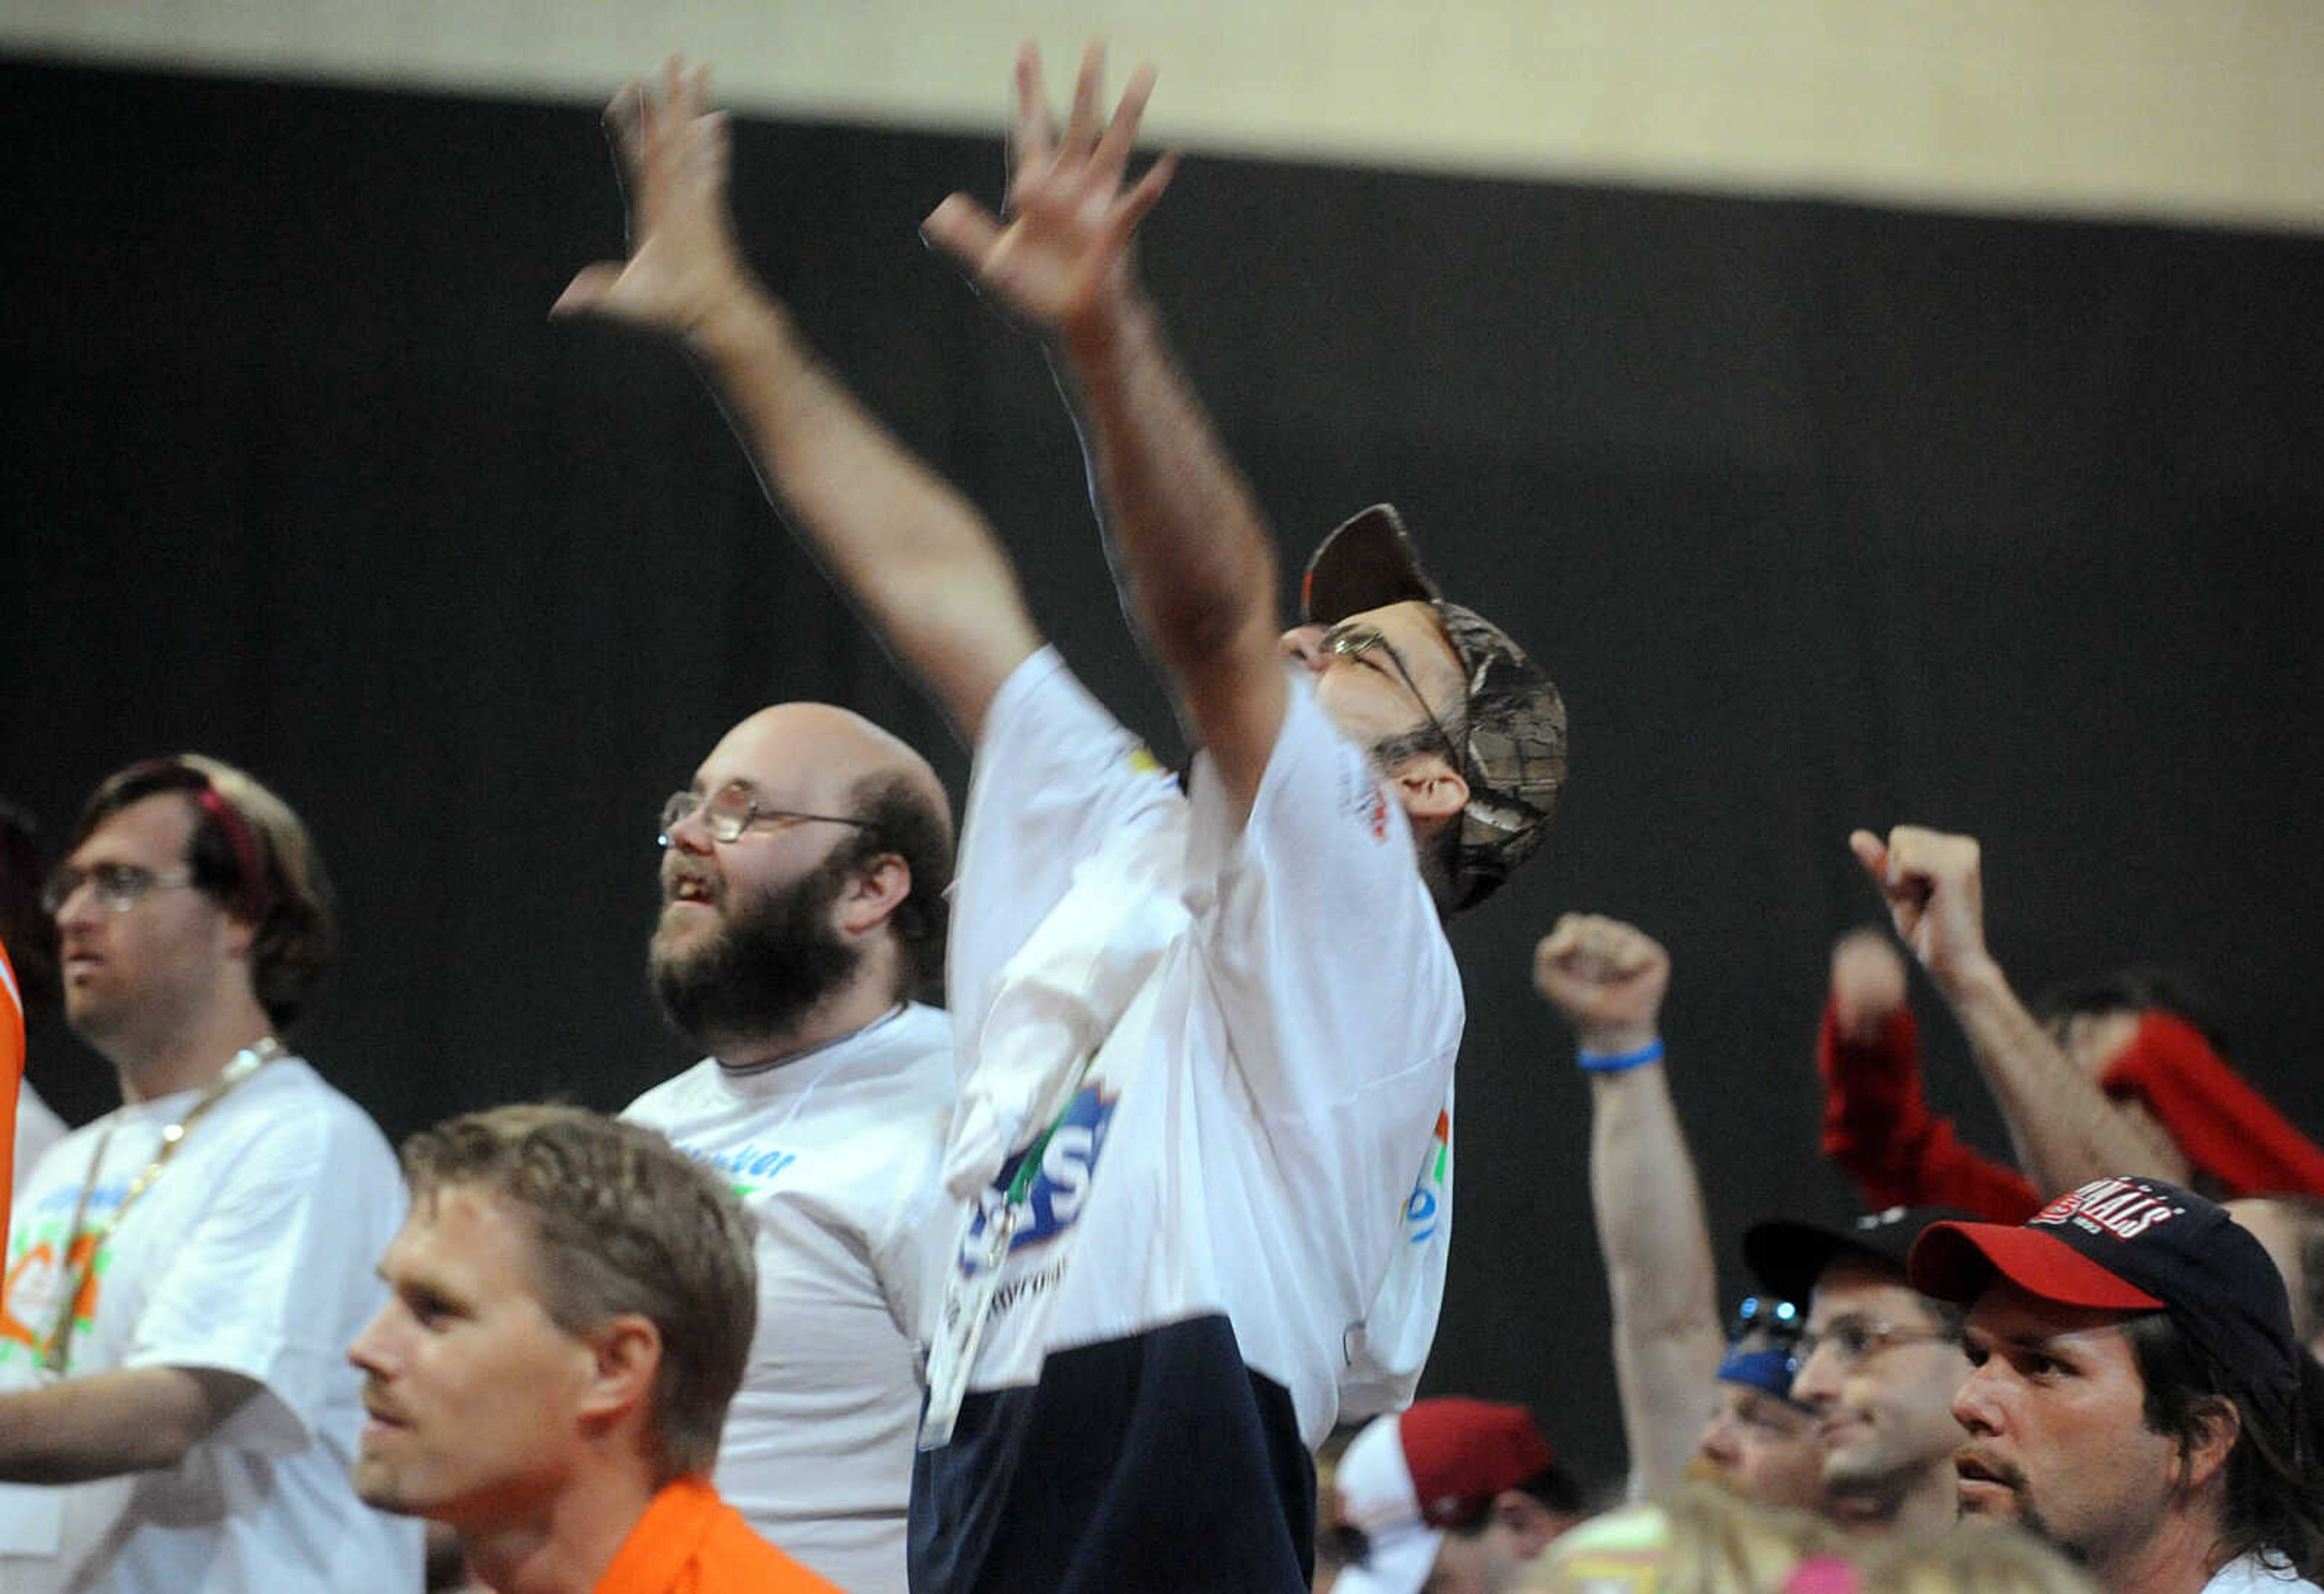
2210,110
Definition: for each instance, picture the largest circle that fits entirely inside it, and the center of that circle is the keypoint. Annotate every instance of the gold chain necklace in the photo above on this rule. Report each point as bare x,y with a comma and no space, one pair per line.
246,1062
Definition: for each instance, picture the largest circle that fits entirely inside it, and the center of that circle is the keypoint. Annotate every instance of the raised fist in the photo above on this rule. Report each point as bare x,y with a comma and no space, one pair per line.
1607,978
1868,982
1936,889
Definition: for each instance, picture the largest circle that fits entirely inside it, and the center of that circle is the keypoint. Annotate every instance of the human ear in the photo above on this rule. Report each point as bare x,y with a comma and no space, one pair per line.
1429,787
625,1359
1529,1523
879,889
2213,1428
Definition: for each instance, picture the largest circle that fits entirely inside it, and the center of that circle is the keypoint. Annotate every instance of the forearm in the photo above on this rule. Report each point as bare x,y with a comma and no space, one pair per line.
1189,546
1656,1244
915,555
101,1427
2067,1133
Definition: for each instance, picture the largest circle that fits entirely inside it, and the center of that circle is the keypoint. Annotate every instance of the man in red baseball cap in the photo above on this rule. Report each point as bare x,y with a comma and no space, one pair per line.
2138,1398
1454,1496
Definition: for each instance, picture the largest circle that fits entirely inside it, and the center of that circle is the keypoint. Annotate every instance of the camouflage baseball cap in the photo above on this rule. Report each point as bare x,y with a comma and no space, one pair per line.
1515,721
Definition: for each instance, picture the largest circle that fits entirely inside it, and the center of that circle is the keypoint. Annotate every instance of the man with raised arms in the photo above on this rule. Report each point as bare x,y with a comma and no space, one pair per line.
1607,979
1206,1035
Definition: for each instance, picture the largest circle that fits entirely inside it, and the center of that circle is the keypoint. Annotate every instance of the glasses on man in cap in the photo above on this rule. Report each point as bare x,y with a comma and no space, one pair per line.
1854,1341
1355,641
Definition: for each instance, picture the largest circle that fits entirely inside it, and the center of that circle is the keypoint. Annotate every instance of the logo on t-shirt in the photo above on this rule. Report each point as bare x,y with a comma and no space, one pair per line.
1060,1186
748,1168
32,1301
1424,1208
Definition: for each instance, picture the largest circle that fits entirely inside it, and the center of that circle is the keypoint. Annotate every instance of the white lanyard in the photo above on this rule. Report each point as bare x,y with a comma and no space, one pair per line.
968,1299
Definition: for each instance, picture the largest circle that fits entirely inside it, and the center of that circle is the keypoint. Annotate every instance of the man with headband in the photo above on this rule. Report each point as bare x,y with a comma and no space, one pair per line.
1760,1441
184,1273
2138,1398
1206,1035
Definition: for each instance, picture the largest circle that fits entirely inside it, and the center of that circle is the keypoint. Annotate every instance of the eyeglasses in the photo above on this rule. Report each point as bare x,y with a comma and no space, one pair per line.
119,886
1854,1341
1352,640
733,810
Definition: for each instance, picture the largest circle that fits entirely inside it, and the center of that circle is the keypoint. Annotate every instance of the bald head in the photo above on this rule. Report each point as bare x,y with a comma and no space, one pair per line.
821,757
817,758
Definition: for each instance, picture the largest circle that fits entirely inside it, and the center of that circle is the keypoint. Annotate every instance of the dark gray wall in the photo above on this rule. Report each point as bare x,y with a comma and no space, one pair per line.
1823,515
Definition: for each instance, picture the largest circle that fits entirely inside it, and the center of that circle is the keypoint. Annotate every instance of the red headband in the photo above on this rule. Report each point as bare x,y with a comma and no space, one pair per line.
251,896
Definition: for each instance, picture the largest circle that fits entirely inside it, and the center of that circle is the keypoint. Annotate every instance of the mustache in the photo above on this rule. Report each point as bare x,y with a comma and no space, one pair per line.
680,872
1968,1461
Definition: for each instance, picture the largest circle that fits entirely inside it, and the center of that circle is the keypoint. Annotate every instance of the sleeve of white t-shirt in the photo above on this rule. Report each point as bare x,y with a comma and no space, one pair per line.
37,1129
912,1251
261,1285
1055,775
1322,936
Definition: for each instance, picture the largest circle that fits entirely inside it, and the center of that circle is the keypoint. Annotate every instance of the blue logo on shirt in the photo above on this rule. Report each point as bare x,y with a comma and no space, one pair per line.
1059,1188
748,1168
1422,1207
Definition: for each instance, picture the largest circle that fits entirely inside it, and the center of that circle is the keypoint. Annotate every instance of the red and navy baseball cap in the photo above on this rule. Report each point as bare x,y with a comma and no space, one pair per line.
2135,1245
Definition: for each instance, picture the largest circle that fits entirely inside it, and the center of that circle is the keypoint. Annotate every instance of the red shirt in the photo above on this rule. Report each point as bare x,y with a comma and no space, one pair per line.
1877,1127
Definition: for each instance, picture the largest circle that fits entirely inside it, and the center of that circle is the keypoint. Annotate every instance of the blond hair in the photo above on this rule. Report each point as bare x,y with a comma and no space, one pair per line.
1703,1540
625,1223
1978,1558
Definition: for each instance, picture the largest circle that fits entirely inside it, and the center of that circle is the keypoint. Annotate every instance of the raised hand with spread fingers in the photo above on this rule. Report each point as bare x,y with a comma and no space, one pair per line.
1193,555
910,550
1062,247
685,267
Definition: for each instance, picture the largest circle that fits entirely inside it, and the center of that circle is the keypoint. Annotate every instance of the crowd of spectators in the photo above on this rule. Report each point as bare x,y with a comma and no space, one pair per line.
1053,1207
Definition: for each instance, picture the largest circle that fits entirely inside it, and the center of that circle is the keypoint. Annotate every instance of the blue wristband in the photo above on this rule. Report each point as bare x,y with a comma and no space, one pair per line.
1615,1062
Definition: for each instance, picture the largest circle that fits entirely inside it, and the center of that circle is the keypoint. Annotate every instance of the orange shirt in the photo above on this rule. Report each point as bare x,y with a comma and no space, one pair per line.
691,1542
11,1074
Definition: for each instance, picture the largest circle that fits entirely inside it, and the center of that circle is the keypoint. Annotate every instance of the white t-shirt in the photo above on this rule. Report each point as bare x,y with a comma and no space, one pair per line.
2246,1574
252,1251
1200,1262
833,1155
37,1129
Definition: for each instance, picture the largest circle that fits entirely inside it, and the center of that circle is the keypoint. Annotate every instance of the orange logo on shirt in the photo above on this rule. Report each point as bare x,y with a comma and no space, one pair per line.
28,1287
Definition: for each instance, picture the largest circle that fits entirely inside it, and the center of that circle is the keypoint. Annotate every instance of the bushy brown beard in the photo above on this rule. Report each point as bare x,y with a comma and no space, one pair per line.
777,955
